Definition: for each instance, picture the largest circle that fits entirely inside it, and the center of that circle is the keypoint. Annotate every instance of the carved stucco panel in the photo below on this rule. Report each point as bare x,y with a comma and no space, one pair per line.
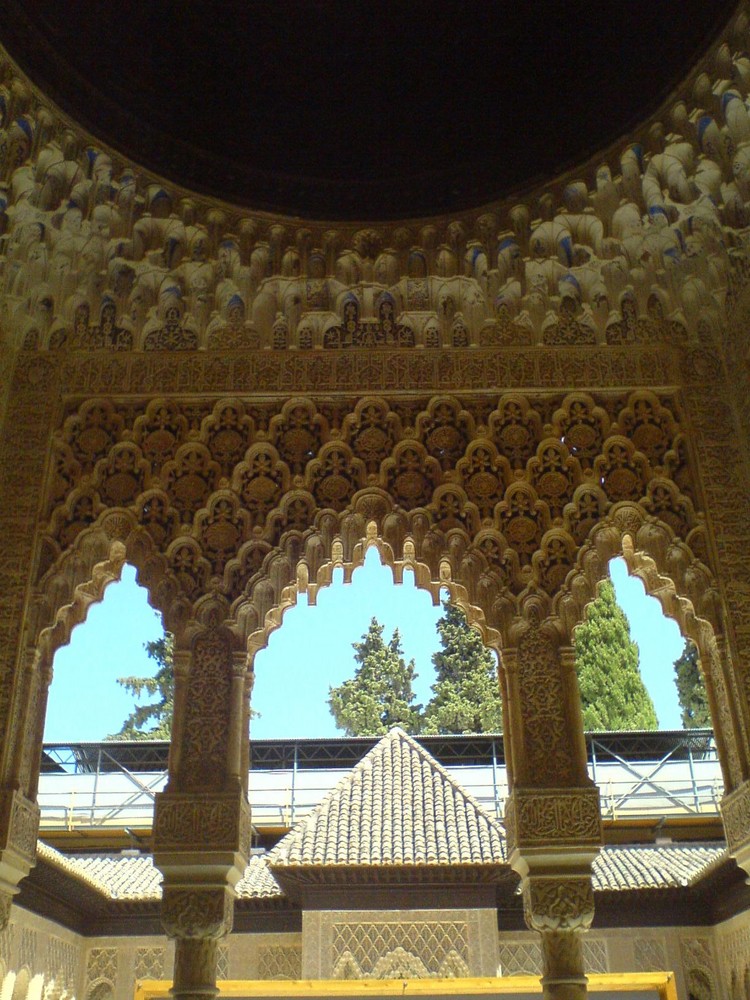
558,904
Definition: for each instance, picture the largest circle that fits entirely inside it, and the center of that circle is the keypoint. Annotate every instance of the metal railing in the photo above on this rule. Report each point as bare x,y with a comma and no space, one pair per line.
114,784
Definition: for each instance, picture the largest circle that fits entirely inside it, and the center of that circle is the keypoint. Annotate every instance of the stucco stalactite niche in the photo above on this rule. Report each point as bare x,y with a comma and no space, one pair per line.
501,401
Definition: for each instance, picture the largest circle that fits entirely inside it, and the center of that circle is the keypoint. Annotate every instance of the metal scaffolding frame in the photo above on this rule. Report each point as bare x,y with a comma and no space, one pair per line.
113,784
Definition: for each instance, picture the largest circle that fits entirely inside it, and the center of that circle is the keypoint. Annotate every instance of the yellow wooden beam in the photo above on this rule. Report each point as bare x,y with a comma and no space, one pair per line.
625,982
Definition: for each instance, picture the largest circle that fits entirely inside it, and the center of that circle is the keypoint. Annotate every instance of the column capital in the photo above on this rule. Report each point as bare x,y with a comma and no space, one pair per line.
558,903
211,830
197,911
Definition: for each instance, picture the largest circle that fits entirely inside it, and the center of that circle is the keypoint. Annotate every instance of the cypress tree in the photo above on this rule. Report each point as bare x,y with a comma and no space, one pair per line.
613,694
159,712
466,695
380,694
691,691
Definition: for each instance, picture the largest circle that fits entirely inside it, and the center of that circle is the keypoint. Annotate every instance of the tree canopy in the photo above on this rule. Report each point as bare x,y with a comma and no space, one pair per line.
380,695
160,712
691,691
613,694
466,694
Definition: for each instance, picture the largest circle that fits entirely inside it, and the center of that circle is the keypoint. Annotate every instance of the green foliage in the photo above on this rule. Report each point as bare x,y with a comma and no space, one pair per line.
691,691
466,695
613,694
380,694
159,712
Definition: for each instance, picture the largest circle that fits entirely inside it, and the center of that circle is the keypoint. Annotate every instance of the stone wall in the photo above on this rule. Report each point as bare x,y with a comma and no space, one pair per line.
40,960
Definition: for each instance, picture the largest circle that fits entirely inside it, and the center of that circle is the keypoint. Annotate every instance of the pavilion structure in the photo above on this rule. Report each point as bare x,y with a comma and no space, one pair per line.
500,400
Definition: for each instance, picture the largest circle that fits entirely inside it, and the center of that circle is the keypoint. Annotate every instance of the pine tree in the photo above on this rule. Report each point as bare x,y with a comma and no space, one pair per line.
613,694
466,695
691,691
161,711
380,694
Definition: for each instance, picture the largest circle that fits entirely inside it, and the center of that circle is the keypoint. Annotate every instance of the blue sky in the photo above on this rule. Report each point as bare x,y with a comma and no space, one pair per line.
311,651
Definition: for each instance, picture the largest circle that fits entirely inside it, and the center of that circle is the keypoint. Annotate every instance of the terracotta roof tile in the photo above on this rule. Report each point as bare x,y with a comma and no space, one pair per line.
120,876
666,866
398,806
258,882
135,877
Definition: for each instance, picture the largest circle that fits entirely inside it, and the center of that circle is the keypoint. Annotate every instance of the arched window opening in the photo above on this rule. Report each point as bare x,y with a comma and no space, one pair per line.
88,778
659,644
625,658
312,652
85,701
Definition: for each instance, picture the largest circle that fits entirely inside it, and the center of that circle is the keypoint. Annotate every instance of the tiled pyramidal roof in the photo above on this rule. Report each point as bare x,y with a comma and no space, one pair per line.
398,806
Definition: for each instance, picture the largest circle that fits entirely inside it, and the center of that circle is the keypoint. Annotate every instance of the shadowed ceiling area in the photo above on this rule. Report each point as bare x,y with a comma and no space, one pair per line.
358,110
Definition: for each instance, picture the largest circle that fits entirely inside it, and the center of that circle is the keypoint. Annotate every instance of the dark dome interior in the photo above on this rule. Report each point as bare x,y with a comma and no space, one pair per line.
358,110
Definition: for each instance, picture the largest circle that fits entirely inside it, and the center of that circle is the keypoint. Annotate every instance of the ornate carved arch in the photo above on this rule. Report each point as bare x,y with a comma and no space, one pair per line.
233,499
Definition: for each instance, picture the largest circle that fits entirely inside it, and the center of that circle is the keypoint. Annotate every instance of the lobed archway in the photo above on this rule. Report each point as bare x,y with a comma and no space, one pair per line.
229,508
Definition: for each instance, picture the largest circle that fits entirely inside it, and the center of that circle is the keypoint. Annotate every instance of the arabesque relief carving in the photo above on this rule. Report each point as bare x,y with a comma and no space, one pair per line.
505,400
635,249
197,911
185,822
205,495
526,495
558,904
566,817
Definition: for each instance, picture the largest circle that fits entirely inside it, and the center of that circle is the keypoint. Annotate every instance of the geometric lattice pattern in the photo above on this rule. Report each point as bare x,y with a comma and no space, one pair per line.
650,955
595,955
520,958
102,965
149,963
278,961
222,961
390,949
